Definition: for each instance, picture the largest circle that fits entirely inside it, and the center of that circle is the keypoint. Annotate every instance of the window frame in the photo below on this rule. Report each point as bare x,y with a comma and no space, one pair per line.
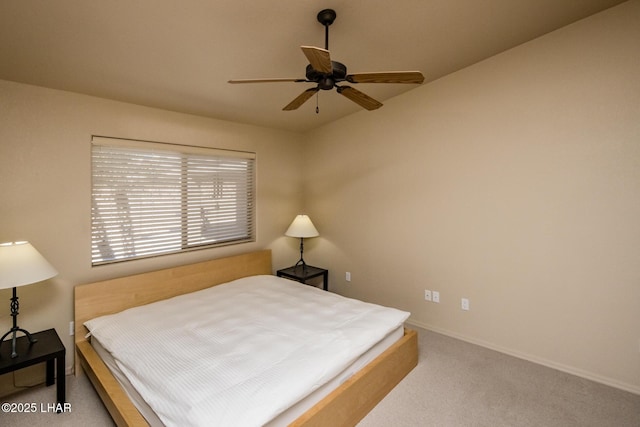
162,193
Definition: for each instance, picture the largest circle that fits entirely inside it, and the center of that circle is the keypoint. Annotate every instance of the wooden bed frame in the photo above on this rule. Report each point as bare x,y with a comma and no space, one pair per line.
345,406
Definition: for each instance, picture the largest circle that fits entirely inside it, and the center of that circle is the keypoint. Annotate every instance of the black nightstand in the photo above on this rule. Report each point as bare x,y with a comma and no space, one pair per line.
302,274
47,349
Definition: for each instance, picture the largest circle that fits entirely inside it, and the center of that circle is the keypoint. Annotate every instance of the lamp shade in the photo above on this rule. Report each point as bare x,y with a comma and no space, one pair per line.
21,264
302,227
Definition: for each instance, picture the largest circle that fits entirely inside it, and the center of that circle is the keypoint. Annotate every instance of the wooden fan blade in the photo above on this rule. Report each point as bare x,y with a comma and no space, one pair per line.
387,77
319,58
265,80
365,101
301,99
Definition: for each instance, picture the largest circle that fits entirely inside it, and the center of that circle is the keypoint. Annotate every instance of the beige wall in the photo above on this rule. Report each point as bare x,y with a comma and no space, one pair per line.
45,188
514,183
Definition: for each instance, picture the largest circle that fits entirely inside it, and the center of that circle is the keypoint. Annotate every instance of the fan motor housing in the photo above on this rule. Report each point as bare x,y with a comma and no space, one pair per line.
327,81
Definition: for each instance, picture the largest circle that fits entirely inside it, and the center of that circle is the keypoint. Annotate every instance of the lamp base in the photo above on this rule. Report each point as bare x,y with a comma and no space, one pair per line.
13,331
302,263
15,305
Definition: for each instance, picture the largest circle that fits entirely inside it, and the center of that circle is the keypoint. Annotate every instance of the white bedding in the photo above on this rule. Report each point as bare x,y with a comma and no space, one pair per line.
239,353
284,418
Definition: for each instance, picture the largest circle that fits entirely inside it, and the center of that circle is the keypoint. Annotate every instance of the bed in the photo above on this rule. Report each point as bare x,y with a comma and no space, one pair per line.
345,405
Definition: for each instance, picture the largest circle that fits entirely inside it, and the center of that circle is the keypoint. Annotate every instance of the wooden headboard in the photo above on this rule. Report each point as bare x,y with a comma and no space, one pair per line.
111,296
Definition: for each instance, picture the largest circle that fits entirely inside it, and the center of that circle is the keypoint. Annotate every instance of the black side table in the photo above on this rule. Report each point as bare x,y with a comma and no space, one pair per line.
302,274
47,349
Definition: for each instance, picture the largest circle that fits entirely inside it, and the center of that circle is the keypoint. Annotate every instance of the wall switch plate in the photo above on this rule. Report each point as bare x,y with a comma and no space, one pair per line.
72,328
435,296
347,276
427,295
465,304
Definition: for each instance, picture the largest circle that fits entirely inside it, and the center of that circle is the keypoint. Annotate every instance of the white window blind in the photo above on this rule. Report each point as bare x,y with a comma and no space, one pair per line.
152,198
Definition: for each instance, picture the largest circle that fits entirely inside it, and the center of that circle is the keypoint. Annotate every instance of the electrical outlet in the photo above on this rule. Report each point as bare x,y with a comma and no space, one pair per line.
465,304
347,276
427,295
72,328
435,296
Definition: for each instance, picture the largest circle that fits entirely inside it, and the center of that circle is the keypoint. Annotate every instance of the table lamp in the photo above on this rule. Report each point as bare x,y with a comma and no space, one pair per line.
21,264
301,227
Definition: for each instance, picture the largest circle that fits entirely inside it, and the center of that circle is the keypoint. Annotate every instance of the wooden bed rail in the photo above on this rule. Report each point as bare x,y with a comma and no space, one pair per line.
115,399
356,397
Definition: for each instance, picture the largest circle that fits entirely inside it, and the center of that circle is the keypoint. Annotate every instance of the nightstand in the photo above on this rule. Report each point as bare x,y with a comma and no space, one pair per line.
47,349
302,275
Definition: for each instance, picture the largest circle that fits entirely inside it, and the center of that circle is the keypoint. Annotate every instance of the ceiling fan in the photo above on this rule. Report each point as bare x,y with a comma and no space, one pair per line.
328,74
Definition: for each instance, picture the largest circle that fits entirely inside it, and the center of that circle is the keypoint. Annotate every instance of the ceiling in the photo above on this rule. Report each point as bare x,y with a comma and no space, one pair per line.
179,55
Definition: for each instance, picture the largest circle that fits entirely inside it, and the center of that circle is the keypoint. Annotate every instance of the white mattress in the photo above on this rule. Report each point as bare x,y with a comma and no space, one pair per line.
244,353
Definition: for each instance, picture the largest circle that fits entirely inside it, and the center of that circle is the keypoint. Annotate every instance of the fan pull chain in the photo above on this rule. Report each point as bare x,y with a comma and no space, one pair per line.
317,108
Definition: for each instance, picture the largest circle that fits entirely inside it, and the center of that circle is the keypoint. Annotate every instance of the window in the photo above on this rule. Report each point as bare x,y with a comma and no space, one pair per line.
153,198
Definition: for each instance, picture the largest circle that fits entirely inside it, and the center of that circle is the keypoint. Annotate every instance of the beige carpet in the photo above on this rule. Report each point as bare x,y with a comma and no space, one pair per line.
461,384
454,384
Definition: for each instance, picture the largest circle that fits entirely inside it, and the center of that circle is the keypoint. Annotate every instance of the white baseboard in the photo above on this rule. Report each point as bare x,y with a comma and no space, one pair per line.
531,358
